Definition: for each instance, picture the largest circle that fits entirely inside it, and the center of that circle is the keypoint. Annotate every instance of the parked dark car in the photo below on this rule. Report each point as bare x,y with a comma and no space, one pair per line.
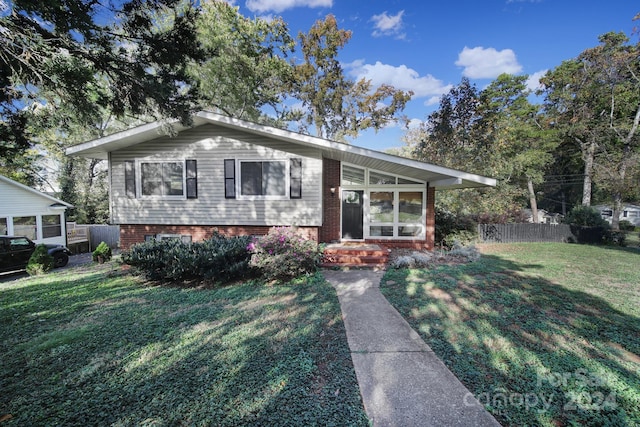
15,252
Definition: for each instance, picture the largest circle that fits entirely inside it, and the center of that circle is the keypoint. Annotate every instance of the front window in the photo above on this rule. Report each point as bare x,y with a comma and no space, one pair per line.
25,226
410,217
51,226
163,179
4,230
395,206
263,178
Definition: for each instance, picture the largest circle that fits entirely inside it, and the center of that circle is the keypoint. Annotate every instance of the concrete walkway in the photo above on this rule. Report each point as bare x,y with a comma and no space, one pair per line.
402,382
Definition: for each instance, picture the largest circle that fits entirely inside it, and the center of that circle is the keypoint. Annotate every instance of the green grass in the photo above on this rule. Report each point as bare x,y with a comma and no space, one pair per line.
542,334
96,347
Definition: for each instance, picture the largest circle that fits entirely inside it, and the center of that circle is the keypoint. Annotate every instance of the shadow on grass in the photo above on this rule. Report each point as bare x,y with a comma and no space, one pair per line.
94,350
533,351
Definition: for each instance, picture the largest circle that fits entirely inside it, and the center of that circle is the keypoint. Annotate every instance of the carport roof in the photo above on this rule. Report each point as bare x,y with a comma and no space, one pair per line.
436,176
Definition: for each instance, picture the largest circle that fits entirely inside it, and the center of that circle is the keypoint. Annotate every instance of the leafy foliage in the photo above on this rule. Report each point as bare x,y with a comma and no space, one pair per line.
451,227
594,100
40,261
335,105
585,216
102,253
61,53
247,69
219,259
283,254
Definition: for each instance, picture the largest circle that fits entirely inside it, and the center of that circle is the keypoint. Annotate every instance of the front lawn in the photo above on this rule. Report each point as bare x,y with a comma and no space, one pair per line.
90,346
542,334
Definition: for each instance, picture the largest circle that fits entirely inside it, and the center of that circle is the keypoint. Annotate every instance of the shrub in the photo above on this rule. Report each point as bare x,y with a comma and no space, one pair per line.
452,226
463,237
220,259
585,216
469,252
40,261
625,225
102,253
283,254
615,238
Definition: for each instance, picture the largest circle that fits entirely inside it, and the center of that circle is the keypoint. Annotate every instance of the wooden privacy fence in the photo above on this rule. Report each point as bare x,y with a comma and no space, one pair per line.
110,234
513,233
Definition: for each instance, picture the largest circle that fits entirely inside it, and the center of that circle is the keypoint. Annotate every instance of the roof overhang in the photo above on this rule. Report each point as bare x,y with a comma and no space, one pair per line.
437,176
56,204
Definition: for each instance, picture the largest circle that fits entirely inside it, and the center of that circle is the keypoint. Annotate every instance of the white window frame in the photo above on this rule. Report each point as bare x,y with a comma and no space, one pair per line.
140,162
396,189
287,180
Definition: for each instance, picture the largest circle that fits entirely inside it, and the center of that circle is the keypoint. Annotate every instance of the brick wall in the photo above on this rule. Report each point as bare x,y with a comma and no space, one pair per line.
134,233
330,230
431,218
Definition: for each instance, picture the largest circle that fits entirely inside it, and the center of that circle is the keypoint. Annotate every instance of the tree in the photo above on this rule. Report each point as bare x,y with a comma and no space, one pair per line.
333,104
495,132
248,69
516,134
595,100
447,136
56,53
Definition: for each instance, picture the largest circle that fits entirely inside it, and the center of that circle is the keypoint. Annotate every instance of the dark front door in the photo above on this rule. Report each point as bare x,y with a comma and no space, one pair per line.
352,213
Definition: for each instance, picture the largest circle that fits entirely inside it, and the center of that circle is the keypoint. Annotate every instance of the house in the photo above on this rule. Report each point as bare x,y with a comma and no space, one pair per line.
30,213
237,177
544,217
629,213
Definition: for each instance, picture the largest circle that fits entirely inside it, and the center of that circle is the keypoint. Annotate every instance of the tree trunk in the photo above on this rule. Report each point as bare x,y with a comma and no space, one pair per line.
615,212
588,154
533,202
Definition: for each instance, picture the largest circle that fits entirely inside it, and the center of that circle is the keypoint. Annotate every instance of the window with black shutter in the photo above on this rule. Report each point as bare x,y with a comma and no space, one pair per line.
230,179
192,179
130,178
295,178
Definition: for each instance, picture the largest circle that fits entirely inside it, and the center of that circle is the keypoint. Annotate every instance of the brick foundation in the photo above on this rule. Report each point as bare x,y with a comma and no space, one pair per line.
131,234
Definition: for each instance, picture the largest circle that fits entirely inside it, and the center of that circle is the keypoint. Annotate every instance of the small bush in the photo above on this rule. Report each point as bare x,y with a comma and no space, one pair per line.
102,253
463,237
283,254
615,238
414,260
469,252
40,261
452,226
220,259
625,225
585,216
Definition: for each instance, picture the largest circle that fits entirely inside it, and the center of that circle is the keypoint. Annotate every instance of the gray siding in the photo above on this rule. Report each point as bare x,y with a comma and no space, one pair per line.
210,145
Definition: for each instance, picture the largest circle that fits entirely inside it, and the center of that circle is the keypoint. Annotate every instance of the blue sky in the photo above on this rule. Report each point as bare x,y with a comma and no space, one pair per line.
427,46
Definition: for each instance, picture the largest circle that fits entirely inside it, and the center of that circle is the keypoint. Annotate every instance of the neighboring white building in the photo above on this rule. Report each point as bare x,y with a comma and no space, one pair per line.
30,213
629,213
544,217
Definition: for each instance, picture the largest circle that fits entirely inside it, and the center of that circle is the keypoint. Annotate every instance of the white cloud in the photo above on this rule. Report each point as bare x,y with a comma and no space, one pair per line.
278,6
400,77
414,123
386,25
533,82
481,63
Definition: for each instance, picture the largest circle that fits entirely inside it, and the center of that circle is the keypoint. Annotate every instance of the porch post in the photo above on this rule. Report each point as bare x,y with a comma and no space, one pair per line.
430,232
330,229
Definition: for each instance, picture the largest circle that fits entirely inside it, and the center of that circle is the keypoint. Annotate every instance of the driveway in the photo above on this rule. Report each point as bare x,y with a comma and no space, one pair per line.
74,260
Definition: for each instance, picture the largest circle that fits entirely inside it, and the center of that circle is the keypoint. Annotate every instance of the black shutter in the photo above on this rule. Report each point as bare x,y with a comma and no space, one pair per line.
192,179
295,178
229,178
130,179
